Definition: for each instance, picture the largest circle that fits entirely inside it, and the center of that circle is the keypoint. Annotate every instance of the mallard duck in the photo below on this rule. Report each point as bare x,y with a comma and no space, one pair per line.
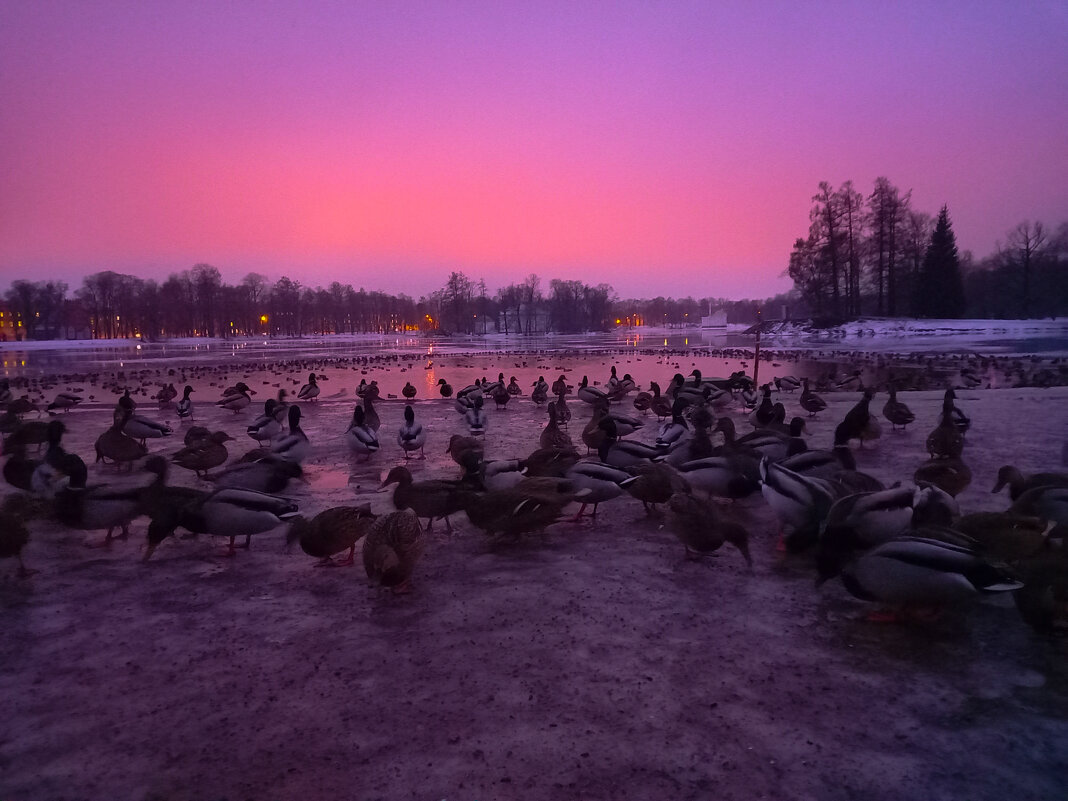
165,395
613,379
411,436
950,474
897,412
857,422
408,391
654,484
95,507
563,411
370,414
18,469
1043,600
735,476
113,444
476,417
540,393
551,435
125,402
591,395
702,529
946,441
360,438
481,475
513,512
431,499
513,388
238,400
1049,503
237,389
918,576
1005,536
801,503
550,461
765,412
602,481
643,401
16,510
195,434
871,518
34,432
624,424
203,455
787,383
660,405
393,544
184,409
294,446
810,401
500,395
851,383
960,420
445,388
560,386
331,532
265,427
623,453
673,431
64,401
263,475
309,391
1018,483
465,451
141,429
821,463
237,513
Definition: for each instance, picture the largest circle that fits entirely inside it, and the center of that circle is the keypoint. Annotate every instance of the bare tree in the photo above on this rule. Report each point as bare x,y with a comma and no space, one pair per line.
1025,247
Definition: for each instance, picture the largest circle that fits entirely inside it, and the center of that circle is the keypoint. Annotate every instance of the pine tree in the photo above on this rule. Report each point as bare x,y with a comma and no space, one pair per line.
940,288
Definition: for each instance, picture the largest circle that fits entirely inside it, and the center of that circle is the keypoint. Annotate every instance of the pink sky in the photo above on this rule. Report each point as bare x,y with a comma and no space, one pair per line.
666,148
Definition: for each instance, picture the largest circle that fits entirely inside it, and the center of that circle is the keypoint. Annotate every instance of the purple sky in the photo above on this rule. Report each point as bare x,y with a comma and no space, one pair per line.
666,148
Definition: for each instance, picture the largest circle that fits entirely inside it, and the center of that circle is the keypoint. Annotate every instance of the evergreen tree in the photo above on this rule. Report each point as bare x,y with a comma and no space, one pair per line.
940,288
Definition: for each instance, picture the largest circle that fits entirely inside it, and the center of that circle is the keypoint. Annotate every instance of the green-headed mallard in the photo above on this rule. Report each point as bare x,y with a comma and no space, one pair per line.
309,391
1018,483
360,438
411,436
431,499
916,576
184,407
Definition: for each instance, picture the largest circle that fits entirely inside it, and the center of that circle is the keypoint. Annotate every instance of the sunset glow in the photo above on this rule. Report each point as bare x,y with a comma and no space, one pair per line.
667,149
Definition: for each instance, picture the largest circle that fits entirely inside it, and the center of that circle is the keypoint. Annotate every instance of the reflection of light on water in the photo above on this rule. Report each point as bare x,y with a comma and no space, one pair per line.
686,341
665,342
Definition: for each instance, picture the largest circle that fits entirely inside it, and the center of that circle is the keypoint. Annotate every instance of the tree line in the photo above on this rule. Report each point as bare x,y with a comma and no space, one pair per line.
197,302
877,254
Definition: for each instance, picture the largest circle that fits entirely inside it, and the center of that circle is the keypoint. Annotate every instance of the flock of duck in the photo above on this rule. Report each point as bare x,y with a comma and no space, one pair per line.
906,547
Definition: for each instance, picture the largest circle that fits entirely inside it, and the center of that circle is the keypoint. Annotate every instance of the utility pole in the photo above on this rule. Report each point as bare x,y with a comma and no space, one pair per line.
756,357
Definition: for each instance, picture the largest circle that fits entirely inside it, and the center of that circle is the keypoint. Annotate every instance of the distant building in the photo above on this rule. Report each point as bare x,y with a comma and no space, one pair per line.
10,325
714,320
